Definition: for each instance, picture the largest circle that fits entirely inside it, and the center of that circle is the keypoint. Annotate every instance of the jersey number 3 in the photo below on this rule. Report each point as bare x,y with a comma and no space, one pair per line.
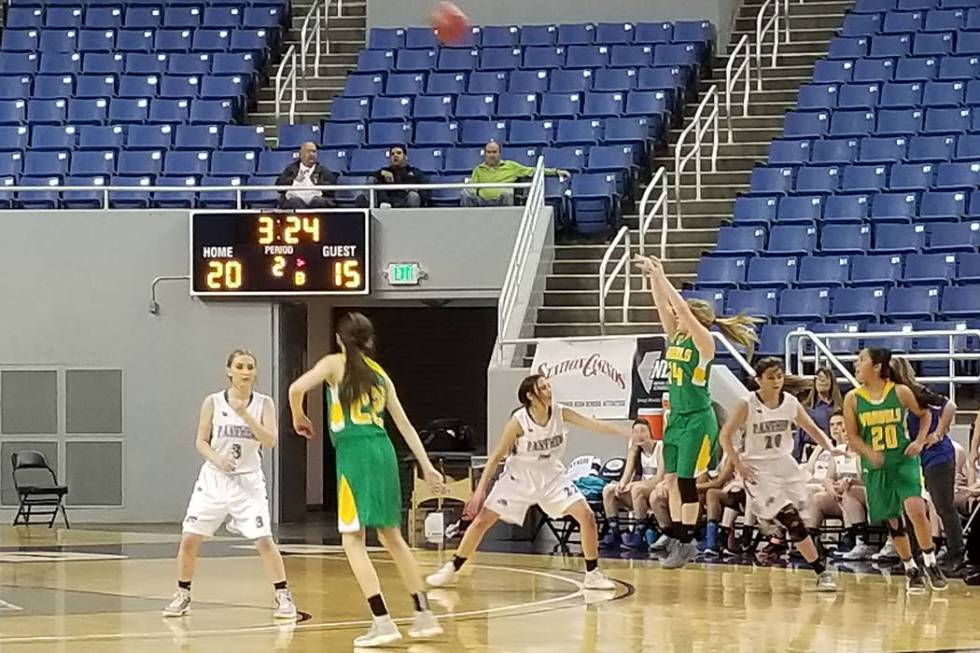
883,438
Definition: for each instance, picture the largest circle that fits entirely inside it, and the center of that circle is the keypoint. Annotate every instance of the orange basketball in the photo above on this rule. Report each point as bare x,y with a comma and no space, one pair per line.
450,24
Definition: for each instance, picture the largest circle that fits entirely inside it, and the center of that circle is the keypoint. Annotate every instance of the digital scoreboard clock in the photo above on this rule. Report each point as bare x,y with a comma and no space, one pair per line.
263,253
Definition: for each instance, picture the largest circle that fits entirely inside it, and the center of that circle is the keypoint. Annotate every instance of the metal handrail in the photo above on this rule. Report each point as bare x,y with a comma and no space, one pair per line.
106,191
659,206
699,129
732,76
623,264
951,354
533,208
314,33
761,30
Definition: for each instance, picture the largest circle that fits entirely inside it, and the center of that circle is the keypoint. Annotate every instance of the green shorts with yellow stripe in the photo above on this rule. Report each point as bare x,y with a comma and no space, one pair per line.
691,443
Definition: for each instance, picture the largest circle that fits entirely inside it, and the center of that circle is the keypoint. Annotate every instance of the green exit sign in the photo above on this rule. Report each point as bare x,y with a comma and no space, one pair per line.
404,274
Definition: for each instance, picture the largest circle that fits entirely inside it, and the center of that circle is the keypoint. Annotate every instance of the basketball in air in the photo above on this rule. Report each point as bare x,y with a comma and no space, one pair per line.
450,24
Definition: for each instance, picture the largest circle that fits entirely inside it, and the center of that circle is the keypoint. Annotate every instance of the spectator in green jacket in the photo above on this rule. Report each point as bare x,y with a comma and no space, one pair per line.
493,170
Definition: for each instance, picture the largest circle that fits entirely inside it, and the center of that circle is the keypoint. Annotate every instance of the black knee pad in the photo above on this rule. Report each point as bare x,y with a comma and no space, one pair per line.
689,490
790,518
896,531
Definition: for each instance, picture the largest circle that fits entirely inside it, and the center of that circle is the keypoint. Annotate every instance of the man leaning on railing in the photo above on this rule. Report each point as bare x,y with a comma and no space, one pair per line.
303,174
493,170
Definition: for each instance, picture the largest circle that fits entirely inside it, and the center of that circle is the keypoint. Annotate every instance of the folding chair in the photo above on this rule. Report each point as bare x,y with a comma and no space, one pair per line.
44,495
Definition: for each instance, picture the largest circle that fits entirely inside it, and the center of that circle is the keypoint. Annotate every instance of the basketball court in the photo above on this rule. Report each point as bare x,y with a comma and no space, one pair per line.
100,590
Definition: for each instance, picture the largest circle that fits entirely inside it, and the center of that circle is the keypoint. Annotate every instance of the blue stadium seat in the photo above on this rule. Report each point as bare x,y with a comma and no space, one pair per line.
800,209
405,84
570,81
859,96
46,164
961,68
897,95
754,303
571,132
38,199
931,148
135,63
334,160
677,54
14,138
391,108
933,44
475,106
876,269
894,207
371,61
446,83
872,70
488,82
929,269
11,163
942,205
639,56
716,298
772,338
653,32
882,150
52,112
53,137
961,301
433,107
818,271
461,160
954,237
350,109
911,176
899,238
806,125
53,87
24,17
613,33
230,164
614,79
232,63
958,175
93,163
12,112
447,60
635,130
95,86
947,121
436,133
516,105
386,38
568,158
792,239
84,199
150,137
864,178
771,272
827,71
818,179
943,94
918,302
501,36
363,85
804,304
528,81
187,163
845,238
243,137
340,134
844,47
57,63
587,56
770,180
429,159
542,57
740,240
726,272
852,123
20,40
197,137
594,202
647,103
899,122
272,163
968,147
18,63
172,111
755,210
387,134
576,34
968,267
694,31
560,105
835,150
857,303
531,132
599,105
84,111
96,40
481,132
220,16
538,35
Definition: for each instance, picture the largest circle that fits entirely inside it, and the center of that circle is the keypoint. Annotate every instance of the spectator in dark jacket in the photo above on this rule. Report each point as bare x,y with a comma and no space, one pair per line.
302,174
400,172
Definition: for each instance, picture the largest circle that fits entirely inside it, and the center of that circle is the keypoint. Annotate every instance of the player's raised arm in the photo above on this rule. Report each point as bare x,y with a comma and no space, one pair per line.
578,419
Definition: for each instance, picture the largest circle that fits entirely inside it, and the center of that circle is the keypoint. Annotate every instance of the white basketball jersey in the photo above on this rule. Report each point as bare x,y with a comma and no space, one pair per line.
230,434
540,442
769,431
648,463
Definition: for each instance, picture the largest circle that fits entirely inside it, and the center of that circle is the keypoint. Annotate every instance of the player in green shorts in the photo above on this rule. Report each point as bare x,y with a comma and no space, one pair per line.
358,392
691,438
875,416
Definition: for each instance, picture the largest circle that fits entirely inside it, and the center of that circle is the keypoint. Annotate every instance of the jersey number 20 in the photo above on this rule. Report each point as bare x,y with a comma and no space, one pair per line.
885,437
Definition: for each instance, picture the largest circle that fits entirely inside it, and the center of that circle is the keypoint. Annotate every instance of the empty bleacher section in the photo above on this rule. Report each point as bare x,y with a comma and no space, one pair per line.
867,216
591,98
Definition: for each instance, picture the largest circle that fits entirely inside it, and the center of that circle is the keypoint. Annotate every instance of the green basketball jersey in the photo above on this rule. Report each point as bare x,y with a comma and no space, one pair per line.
882,423
688,382
365,418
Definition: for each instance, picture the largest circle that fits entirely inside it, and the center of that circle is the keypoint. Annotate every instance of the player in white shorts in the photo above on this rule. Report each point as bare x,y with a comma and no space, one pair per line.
532,443
774,482
235,424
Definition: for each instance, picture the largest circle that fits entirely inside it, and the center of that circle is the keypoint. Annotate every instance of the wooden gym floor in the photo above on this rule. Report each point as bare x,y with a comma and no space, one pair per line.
82,591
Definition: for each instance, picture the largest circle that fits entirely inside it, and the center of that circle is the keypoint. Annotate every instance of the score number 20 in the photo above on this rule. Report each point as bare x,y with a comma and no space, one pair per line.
228,274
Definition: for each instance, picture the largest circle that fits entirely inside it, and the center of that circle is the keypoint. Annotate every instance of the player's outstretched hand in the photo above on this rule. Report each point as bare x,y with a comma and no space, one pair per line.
647,264
474,505
303,426
914,449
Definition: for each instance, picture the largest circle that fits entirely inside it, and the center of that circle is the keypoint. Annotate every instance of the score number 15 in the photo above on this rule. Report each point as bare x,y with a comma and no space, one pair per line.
347,274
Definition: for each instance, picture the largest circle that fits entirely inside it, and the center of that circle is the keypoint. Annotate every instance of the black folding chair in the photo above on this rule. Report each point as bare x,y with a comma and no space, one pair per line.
40,498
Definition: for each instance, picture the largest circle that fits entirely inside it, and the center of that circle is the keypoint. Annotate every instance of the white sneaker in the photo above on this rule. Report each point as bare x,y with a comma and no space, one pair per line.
425,626
661,543
596,580
887,552
861,551
285,608
383,631
826,583
446,575
179,605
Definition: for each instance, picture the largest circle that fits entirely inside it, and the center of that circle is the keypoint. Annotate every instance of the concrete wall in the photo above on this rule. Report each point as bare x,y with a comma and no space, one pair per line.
74,292
404,13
